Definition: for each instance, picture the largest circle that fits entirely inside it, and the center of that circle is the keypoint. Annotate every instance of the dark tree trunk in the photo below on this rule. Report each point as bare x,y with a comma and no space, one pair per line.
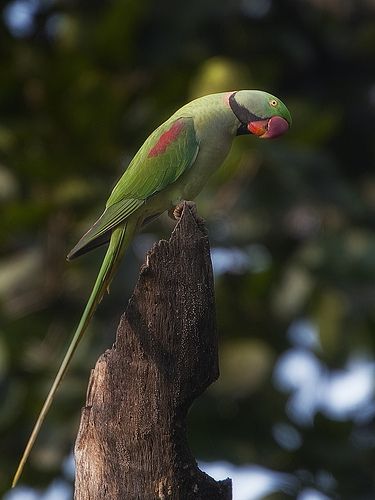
132,440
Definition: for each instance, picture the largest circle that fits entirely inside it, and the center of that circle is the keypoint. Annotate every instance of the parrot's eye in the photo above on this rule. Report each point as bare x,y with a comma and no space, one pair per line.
273,102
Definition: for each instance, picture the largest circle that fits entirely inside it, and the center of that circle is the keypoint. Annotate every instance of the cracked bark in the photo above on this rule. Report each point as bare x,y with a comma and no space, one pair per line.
132,440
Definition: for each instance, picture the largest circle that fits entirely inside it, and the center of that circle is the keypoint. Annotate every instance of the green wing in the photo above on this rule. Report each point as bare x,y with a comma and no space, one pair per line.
163,158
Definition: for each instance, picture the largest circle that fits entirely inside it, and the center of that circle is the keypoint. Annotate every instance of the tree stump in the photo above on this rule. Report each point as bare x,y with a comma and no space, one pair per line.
132,440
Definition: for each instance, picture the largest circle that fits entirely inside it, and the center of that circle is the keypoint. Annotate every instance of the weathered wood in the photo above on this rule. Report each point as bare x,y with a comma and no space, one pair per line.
132,440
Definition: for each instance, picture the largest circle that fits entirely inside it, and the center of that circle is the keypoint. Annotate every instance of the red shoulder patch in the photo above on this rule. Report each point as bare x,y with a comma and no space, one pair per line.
167,138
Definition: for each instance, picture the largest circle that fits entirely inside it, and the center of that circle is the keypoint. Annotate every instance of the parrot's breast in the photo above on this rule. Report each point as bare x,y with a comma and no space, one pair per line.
215,128
209,159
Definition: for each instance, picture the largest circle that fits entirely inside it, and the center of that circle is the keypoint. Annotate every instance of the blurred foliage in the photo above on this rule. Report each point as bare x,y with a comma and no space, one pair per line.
291,222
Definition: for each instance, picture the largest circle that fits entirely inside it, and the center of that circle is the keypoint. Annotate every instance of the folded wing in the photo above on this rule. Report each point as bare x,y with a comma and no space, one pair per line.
164,157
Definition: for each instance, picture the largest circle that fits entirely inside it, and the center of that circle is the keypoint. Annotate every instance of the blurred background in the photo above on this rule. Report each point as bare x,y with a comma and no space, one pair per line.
82,83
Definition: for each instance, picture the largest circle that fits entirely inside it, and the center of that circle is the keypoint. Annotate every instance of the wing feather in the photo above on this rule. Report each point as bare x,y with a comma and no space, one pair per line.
165,155
99,233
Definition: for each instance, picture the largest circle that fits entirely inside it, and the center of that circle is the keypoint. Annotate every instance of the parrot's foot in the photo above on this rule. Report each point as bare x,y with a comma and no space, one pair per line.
175,213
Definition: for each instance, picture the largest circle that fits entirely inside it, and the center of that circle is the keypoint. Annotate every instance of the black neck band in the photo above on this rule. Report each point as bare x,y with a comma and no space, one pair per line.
243,114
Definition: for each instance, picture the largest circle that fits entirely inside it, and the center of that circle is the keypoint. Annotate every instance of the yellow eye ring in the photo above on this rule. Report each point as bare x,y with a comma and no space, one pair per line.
273,102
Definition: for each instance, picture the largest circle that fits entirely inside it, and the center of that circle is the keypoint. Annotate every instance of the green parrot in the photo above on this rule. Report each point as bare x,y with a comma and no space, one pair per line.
172,165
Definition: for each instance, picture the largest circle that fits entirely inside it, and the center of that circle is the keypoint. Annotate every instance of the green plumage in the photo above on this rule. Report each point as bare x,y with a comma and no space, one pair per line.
145,176
173,164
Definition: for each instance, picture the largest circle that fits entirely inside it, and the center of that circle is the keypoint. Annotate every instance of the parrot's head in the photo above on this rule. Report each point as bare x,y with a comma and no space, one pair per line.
259,113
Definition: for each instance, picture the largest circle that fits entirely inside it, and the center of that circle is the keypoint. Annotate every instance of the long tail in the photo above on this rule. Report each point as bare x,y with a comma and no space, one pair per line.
120,239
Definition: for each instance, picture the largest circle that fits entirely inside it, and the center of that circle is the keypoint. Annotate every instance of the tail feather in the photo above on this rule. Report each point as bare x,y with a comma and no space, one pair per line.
120,239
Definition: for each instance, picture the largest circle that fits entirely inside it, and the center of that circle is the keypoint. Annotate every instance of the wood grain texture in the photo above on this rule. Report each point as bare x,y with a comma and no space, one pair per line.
132,440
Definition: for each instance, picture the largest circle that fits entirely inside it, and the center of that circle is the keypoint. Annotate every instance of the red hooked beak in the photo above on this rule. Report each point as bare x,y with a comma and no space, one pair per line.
268,129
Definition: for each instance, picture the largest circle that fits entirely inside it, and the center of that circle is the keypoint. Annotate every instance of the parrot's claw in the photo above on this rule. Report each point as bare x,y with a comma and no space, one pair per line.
175,213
